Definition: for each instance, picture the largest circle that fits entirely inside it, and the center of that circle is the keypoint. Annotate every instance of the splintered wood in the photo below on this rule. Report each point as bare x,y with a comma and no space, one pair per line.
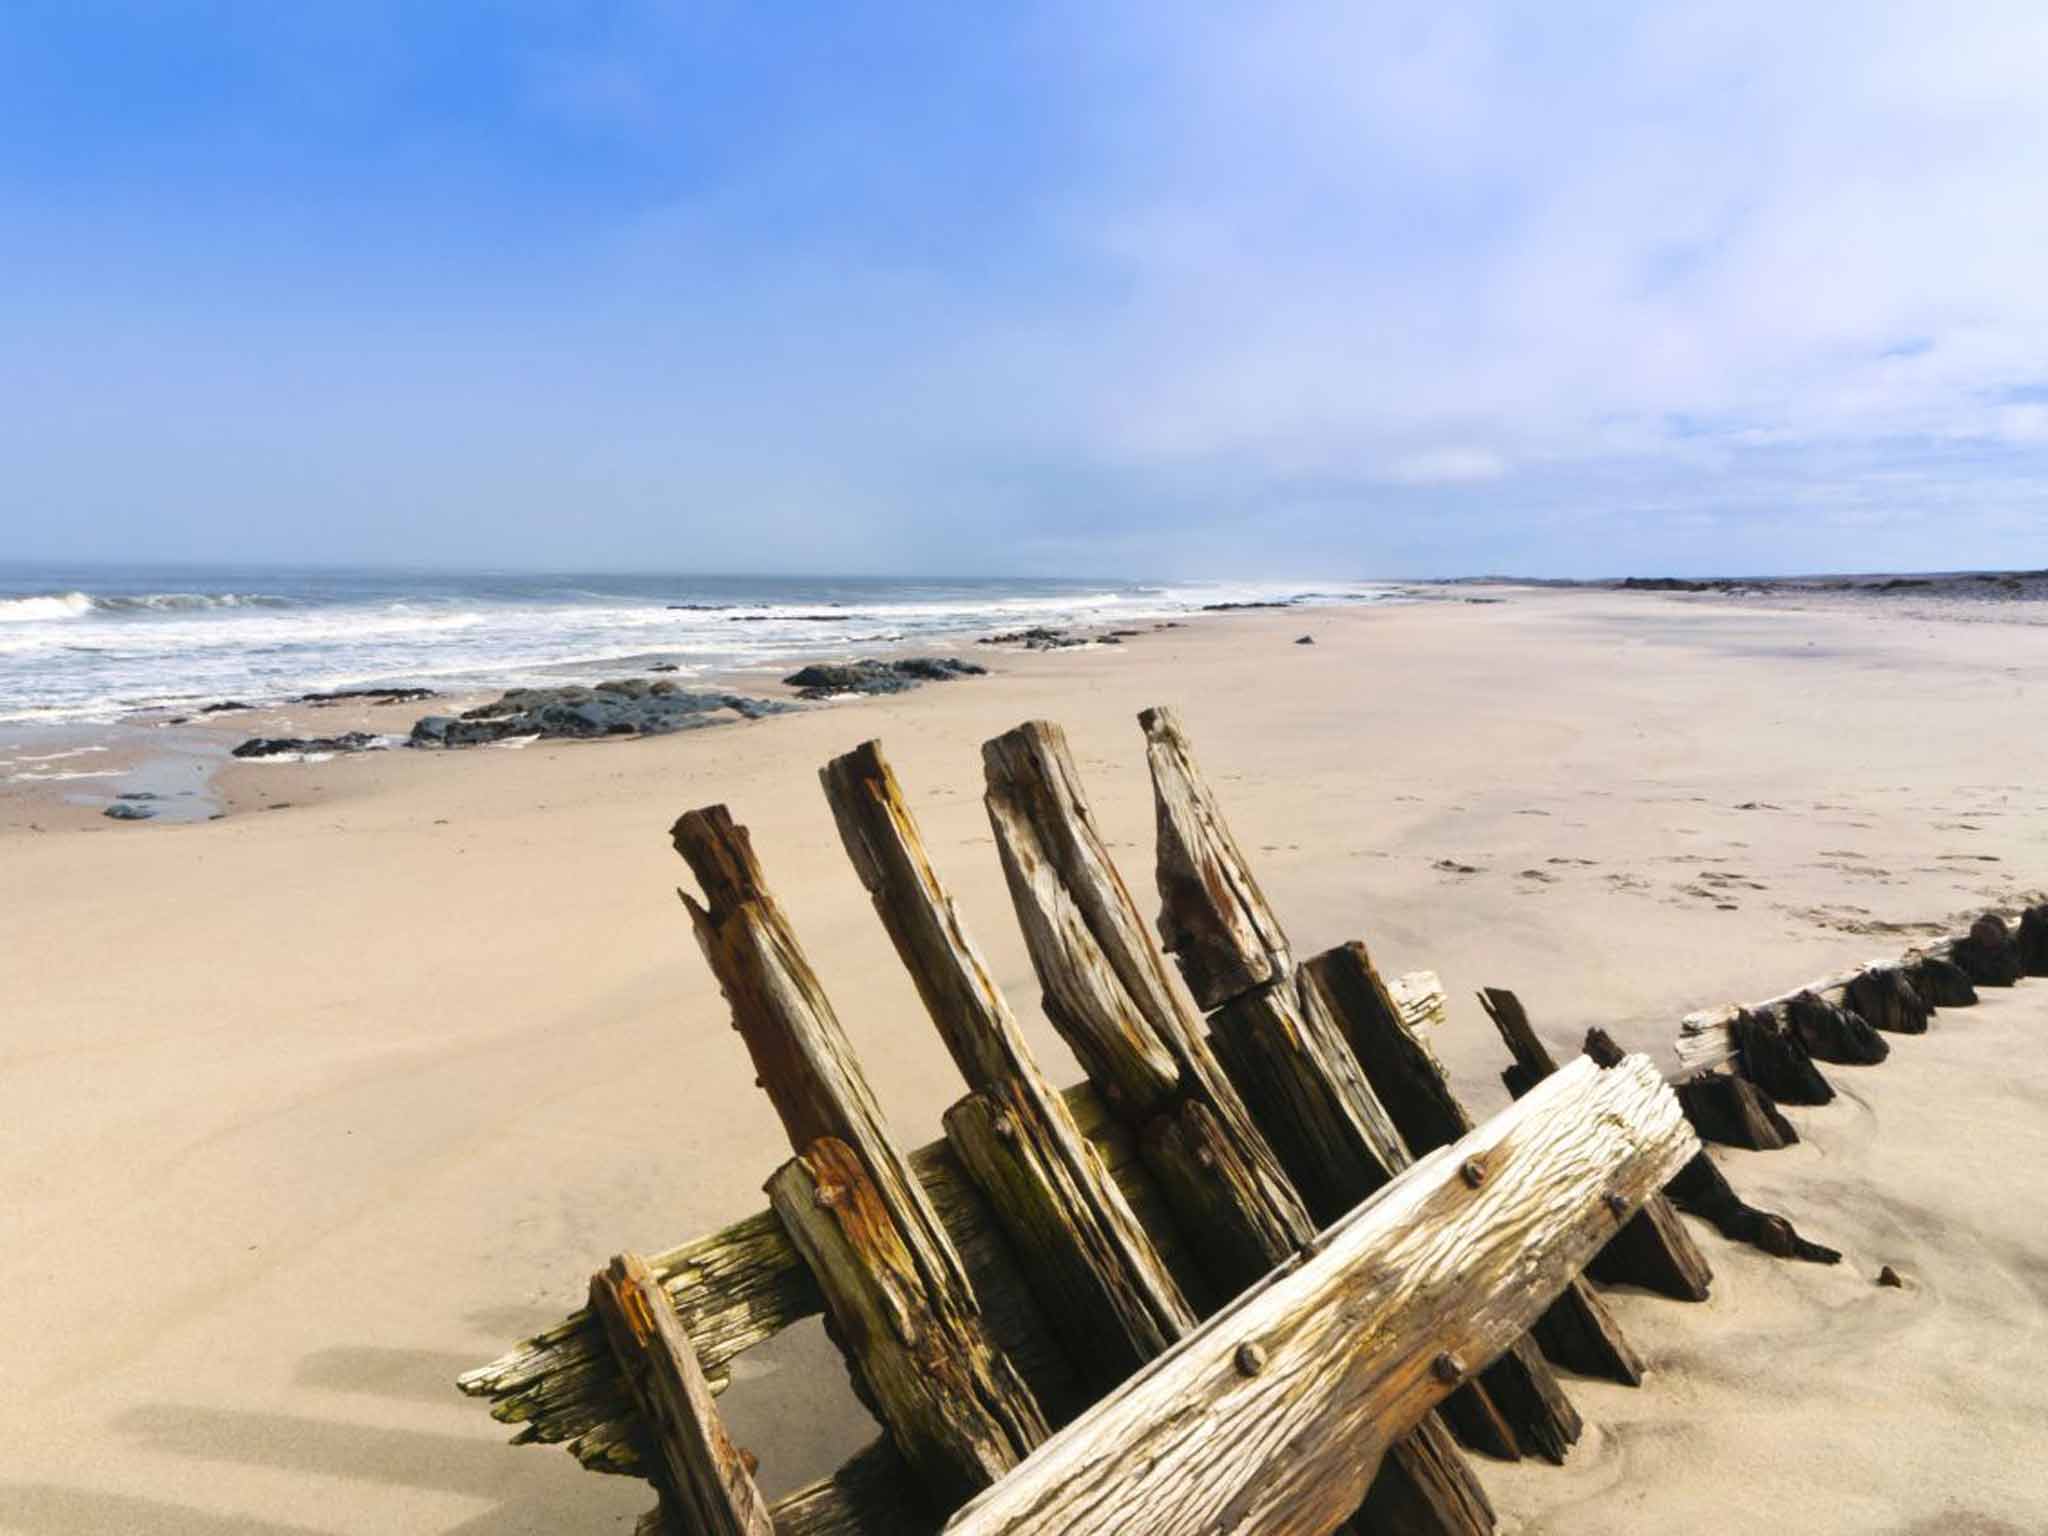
1251,1275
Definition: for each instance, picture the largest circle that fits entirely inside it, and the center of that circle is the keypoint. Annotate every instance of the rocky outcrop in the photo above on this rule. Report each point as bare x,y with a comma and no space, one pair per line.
366,696
281,746
622,707
822,680
1036,638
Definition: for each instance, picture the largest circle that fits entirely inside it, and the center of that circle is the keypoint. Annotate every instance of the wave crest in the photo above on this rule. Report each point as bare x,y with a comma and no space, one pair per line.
76,605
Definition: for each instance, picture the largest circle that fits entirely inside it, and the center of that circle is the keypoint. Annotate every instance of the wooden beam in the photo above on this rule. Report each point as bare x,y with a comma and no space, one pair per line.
740,1286
953,1405
800,1053
1268,1422
1107,991
1578,1330
1654,1250
1101,1282
1287,1051
895,1286
1735,1112
705,1480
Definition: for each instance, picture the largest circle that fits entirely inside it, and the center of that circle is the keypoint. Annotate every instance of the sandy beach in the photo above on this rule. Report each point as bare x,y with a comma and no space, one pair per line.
309,1109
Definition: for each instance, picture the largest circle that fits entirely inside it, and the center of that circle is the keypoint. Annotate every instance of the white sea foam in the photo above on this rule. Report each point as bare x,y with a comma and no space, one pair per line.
114,654
75,773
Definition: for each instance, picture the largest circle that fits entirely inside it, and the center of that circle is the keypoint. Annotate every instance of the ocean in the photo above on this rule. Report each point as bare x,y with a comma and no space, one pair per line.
110,643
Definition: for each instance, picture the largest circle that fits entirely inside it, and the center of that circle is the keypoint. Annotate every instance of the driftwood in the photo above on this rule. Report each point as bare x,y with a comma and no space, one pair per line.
1271,1418
1286,1048
1654,1250
896,1288
1103,1285
706,1482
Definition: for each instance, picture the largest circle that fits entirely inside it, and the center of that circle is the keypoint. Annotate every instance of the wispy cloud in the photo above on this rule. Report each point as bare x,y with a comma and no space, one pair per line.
1447,285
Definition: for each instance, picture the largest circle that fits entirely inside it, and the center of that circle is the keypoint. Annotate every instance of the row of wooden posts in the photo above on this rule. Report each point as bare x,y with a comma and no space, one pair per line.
1259,1272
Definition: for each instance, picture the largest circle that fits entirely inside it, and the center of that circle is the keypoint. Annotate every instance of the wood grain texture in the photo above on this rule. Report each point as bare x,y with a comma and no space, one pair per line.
740,1286
1106,986
800,1052
1213,919
1099,1277
953,1404
1654,1250
1349,1341
706,1485
1577,1331
1287,1053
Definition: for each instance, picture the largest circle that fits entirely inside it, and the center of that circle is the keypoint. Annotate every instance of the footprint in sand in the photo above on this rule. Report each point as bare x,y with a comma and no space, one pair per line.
1537,875
1584,863
1453,867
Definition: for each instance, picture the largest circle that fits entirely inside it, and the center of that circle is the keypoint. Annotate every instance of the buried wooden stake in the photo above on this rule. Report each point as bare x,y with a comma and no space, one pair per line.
1735,1112
1772,1056
1831,1032
1577,1331
1653,1250
1702,1190
1884,996
1286,1048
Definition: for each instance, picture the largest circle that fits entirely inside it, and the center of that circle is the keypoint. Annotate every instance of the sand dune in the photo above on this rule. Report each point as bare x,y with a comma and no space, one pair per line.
307,1110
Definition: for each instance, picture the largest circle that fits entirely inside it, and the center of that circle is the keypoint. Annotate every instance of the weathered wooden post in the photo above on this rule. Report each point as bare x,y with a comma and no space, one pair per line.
1100,1280
1654,1250
904,1309
706,1483
1107,992
1287,1050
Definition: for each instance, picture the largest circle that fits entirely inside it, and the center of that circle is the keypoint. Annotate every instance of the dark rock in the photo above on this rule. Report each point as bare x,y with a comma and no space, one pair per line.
226,706
138,794
664,666
1125,634
1036,638
1989,955
1664,584
1891,1278
631,706
696,607
1236,607
1306,640
278,746
823,679
367,695
128,810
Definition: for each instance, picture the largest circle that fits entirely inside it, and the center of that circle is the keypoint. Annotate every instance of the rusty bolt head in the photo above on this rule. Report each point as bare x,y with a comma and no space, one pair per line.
828,1195
1005,1126
1473,1172
1250,1359
1205,1156
1616,1206
1448,1368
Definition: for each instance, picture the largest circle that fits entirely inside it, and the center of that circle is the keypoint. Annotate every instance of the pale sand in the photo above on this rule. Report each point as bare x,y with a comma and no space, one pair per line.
306,1111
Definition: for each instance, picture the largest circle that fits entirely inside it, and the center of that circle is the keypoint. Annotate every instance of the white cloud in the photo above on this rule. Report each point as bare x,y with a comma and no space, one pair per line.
1447,466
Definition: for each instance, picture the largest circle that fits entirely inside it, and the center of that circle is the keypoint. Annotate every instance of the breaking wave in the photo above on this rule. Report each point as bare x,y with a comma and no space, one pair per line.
77,605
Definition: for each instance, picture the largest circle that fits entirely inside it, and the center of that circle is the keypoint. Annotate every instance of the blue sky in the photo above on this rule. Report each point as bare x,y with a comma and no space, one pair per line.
1120,288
